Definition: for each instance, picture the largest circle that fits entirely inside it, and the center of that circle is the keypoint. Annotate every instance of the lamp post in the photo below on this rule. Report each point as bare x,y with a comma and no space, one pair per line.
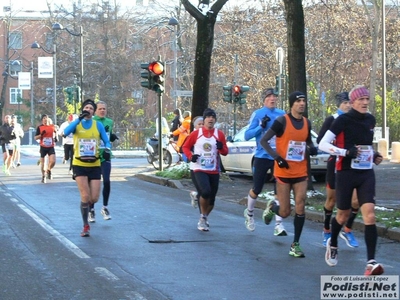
58,26
174,22
36,45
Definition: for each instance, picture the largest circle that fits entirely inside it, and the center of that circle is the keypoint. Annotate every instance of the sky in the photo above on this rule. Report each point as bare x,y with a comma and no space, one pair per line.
25,6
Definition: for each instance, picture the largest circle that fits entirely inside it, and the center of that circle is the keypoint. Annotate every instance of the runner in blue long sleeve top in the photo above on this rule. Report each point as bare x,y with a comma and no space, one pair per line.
260,121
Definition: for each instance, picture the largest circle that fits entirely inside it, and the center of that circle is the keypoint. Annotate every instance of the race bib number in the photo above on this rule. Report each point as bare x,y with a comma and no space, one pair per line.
296,151
87,147
364,160
48,141
207,161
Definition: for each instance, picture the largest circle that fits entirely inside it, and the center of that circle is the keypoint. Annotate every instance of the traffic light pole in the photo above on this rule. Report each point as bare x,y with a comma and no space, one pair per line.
160,142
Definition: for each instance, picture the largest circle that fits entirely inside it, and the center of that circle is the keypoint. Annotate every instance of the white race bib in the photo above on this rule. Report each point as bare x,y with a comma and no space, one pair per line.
296,151
364,160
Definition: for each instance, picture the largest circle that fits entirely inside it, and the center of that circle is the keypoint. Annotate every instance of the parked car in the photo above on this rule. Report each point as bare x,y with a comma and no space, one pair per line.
241,156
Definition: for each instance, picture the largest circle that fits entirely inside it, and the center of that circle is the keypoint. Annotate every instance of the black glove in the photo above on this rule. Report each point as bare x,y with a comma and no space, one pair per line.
264,121
84,113
107,154
376,155
219,145
282,163
113,137
107,128
194,158
55,139
43,132
313,151
352,152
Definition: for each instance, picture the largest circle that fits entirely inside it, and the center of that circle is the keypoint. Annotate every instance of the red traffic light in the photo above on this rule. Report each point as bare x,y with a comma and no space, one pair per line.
236,90
156,68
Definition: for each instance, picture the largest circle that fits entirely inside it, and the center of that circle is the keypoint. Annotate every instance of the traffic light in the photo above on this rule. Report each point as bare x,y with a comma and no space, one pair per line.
146,75
157,73
227,93
70,96
236,93
154,73
243,93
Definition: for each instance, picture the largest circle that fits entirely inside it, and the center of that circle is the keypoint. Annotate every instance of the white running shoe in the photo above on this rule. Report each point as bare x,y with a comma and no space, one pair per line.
280,230
105,213
249,221
331,254
202,225
91,217
193,199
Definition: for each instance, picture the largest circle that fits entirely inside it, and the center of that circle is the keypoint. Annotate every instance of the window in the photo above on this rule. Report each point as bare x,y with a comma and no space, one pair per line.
15,40
15,96
15,67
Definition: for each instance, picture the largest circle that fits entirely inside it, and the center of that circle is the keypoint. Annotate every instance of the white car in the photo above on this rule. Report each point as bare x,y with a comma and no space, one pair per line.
241,156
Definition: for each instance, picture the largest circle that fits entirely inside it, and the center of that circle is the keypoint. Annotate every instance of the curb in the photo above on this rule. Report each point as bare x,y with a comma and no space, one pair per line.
392,233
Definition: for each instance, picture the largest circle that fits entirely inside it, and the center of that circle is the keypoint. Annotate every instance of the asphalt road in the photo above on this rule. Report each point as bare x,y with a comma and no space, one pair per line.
151,249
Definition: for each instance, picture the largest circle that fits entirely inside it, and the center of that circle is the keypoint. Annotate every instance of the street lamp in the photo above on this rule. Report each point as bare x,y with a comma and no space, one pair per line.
36,45
58,26
174,22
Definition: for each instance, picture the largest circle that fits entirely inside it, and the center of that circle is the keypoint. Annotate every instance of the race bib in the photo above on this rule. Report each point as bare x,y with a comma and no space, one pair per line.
47,141
296,151
364,160
207,161
87,147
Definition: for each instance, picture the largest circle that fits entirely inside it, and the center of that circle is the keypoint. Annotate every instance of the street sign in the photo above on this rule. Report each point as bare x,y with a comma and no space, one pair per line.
184,93
24,80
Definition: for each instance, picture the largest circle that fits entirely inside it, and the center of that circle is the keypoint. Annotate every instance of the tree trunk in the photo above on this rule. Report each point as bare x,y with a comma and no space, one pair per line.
296,47
204,47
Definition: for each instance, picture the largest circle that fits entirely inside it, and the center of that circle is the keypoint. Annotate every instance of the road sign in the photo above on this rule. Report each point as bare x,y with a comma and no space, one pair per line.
184,93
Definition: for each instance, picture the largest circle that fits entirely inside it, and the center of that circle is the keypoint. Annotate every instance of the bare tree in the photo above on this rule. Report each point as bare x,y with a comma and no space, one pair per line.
204,47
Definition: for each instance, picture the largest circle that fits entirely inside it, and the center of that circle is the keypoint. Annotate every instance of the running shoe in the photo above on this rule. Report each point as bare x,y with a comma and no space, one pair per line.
249,221
373,268
49,176
268,213
279,230
331,254
202,225
326,235
91,217
296,251
86,231
7,172
70,172
43,179
105,213
18,164
193,199
349,238
63,161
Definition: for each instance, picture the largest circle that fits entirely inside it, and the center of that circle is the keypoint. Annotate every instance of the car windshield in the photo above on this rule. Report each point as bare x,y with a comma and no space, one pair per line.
239,137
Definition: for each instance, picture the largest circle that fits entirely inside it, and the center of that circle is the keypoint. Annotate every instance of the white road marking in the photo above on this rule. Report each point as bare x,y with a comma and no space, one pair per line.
106,273
66,242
